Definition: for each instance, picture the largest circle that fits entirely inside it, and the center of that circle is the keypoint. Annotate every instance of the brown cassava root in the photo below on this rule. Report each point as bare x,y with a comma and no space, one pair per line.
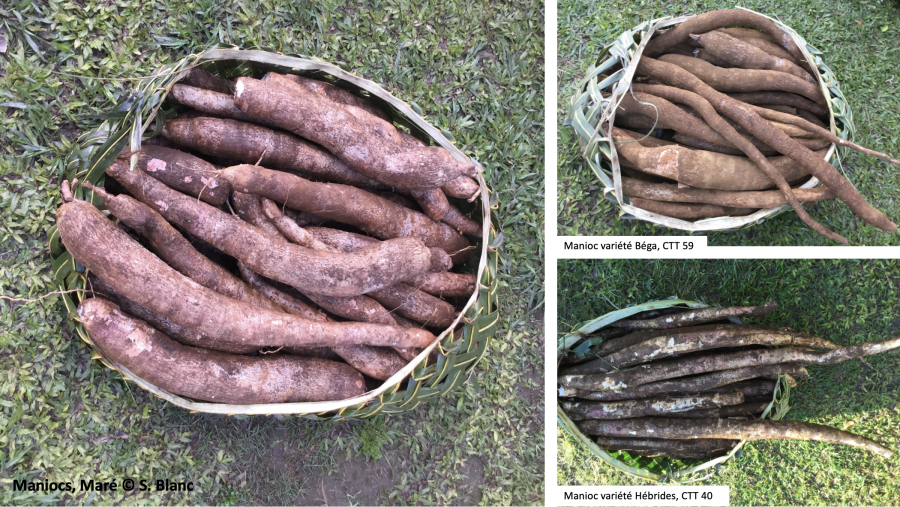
746,56
297,109
721,19
339,95
249,143
182,335
658,427
693,167
760,199
442,284
401,298
640,408
698,316
181,171
689,211
376,362
780,98
682,341
207,101
209,375
694,365
177,251
381,265
652,447
753,123
369,212
708,102
122,262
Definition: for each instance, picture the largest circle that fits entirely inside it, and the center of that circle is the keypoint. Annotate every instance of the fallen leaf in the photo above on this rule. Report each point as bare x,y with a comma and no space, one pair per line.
858,22
884,28
848,424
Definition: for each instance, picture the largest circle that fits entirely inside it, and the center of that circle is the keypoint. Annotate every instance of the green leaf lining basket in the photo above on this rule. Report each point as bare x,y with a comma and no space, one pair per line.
588,111
659,470
457,353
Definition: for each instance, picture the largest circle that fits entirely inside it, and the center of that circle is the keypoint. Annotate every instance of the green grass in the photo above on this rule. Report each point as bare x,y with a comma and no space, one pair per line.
846,301
862,56
475,68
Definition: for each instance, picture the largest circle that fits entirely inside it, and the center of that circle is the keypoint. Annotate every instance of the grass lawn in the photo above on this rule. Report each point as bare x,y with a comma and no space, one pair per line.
475,68
861,45
846,301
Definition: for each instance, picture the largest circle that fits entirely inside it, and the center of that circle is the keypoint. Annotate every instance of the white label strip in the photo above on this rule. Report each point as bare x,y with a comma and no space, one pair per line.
642,495
630,247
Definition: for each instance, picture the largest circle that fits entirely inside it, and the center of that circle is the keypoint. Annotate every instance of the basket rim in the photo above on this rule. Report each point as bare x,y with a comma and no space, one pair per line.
613,188
680,476
393,384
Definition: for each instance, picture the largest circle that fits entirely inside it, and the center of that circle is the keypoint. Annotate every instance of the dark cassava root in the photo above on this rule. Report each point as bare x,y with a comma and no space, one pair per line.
654,447
689,211
697,364
182,335
181,171
251,144
717,382
751,408
656,406
202,79
177,251
658,427
341,203
297,109
700,338
121,262
381,265
698,316
209,375
746,56
753,123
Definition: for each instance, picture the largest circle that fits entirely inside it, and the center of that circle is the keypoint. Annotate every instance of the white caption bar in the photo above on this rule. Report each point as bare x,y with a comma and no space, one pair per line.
629,247
642,495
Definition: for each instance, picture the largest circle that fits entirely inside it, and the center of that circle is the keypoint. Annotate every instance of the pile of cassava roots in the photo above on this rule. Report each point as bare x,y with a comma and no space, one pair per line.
281,242
743,119
692,384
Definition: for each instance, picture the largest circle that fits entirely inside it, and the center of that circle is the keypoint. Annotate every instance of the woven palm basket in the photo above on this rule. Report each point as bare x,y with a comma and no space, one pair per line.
660,470
421,380
588,111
